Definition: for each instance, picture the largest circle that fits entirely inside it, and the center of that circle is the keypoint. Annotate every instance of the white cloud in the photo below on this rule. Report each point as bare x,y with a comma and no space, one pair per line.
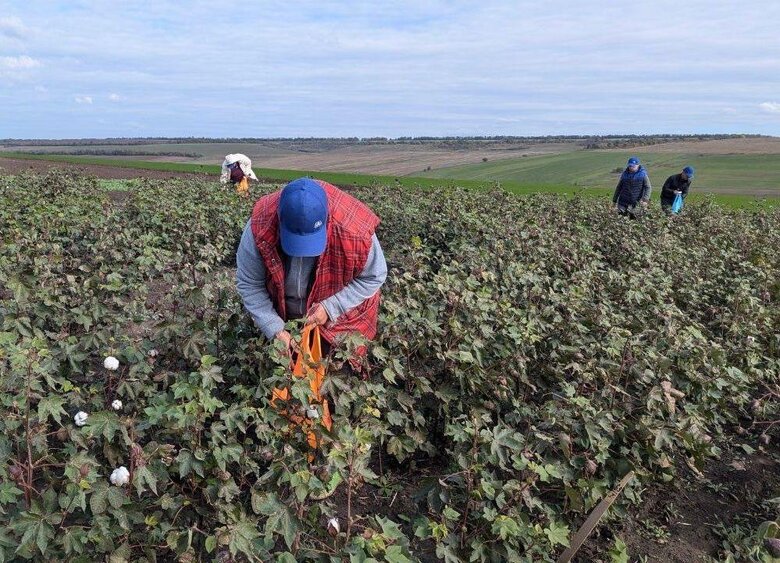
83,99
397,68
22,62
12,27
770,107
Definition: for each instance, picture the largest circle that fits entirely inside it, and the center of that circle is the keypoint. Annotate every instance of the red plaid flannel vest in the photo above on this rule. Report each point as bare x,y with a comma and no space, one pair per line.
351,225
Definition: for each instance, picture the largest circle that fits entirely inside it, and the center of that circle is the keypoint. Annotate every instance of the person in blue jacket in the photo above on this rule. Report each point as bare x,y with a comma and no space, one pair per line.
632,192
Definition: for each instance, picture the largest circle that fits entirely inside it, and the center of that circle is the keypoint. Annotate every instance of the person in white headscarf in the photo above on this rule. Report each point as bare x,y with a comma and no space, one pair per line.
237,168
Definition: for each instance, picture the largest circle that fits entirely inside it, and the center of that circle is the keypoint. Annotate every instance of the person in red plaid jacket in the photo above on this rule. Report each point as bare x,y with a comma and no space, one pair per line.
310,250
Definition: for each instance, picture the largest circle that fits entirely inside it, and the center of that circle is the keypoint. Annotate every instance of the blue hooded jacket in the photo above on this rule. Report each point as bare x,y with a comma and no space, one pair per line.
632,187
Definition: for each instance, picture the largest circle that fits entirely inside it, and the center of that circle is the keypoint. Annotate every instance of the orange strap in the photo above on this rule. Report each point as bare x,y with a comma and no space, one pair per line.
308,364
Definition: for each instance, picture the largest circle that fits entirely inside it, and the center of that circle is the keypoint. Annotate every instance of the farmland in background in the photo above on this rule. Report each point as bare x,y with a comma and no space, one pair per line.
731,167
115,168
400,158
415,157
757,174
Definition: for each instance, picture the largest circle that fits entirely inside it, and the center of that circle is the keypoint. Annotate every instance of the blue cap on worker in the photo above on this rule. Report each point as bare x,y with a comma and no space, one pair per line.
303,216
689,171
633,161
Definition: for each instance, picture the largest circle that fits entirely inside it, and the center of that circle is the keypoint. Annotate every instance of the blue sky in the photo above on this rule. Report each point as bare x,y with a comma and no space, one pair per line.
98,68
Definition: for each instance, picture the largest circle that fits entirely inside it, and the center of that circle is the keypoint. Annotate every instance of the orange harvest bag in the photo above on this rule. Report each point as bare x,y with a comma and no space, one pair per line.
308,364
242,188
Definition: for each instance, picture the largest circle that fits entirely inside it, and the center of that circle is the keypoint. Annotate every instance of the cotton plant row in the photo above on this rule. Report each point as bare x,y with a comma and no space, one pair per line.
535,362
119,476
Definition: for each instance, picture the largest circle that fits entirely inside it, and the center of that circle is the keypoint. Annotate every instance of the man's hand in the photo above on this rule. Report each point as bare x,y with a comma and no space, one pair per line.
677,192
289,344
316,315
643,203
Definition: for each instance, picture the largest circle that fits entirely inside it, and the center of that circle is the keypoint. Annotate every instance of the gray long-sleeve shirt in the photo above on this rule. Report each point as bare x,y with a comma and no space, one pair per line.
251,284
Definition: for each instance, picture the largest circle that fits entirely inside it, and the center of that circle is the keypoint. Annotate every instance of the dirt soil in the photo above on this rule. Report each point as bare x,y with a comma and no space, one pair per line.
12,166
391,160
405,160
677,523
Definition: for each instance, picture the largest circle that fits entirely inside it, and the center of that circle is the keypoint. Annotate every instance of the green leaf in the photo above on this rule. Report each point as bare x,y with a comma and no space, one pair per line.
185,460
98,500
51,406
388,374
466,356
45,533
121,555
396,554
619,552
116,497
211,543
37,533
505,527
106,424
280,518
505,441
74,541
450,513
558,534
241,537
143,476
8,493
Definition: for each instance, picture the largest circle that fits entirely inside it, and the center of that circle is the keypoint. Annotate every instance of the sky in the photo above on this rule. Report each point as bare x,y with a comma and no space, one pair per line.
95,68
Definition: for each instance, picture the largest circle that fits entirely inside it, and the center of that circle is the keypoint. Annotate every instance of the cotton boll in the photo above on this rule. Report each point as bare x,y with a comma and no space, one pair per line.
116,404
333,527
111,363
152,353
81,418
120,476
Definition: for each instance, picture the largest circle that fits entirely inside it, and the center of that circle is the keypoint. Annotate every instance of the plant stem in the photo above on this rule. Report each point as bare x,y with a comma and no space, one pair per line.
27,495
349,496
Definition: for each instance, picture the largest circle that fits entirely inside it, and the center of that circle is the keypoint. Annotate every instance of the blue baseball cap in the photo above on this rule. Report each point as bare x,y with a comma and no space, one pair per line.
303,217
689,171
633,161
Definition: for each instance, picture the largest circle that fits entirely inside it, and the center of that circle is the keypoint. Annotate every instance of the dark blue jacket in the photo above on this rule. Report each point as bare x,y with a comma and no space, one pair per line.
632,187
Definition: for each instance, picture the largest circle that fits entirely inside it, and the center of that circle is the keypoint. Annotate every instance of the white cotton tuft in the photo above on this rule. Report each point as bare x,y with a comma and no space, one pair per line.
81,418
333,527
116,404
120,476
111,363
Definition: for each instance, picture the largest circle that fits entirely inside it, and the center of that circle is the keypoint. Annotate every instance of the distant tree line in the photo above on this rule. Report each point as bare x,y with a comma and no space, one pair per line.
640,141
320,143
